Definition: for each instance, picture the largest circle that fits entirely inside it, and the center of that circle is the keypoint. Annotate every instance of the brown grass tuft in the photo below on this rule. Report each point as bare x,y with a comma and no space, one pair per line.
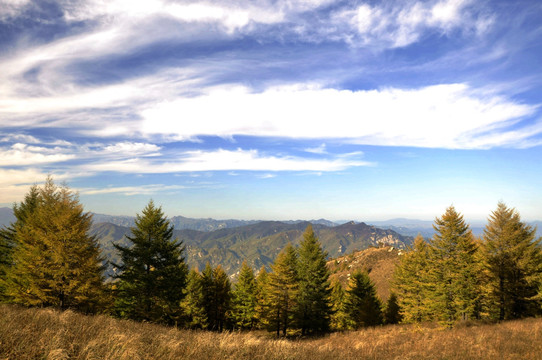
49,334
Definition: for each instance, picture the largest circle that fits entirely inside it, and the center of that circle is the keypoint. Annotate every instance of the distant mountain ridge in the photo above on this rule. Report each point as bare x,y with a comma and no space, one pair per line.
200,224
257,243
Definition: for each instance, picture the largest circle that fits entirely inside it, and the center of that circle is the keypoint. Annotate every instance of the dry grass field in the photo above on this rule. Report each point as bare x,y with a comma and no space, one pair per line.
49,334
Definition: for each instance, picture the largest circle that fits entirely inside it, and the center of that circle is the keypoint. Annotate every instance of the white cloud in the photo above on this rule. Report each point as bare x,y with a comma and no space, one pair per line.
22,154
12,8
389,25
317,150
267,176
132,149
29,139
224,160
443,116
132,190
15,183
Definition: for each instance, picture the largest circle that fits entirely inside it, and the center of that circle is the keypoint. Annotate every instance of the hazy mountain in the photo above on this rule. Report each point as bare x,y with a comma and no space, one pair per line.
412,227
258,243
181,222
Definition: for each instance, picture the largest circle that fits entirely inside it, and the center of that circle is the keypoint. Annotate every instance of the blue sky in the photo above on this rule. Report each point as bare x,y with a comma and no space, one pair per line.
275,109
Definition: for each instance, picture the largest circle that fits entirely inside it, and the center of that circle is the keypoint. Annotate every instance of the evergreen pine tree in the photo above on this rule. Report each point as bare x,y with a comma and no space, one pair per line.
8,235
392,312
55,262
193,304
340,319
216,288
363,304
413,283
262,297
283,290
514,262
153,272
244,299
314,288
456,270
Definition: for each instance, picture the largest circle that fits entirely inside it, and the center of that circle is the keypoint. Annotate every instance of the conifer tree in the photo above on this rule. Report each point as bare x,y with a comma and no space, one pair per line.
314,288
244,299
55,262
340,319
283,291
262,297
456,269
514,262
216,288
364,307
153,272
413,283
8,234
193,303
392,312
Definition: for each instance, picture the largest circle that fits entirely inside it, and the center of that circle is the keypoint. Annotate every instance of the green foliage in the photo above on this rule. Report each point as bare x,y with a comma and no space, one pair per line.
153,272
340,320
362,303
193,304
413,283
513,260
283,290
216,290
456,269
313,301
244,299
54,261
8,234
392,312
263,298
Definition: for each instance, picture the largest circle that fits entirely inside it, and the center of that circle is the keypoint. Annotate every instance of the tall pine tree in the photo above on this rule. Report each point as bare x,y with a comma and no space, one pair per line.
193,304
55,261
514,262
364,307
313,301
456,269
21,212
216,288
263,298
413,283
153,271
340,320
283,291
244,299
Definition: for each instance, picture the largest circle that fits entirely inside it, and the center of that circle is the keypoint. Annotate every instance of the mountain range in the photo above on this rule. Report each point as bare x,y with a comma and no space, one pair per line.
229,242
257,243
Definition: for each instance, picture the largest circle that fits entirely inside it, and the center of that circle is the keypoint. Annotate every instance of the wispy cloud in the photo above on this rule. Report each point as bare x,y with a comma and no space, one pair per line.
390,25
132,190
224,160
22,154
267,176
14,183
317,150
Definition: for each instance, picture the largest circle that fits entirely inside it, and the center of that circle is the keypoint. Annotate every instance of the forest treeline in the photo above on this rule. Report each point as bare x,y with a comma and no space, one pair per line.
48,259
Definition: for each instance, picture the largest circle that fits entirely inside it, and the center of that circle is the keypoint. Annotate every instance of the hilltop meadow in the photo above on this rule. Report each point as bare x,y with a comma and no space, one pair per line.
455,296
52,334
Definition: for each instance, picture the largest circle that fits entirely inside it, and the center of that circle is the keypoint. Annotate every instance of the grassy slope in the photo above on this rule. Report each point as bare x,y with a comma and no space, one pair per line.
49,334
378,262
